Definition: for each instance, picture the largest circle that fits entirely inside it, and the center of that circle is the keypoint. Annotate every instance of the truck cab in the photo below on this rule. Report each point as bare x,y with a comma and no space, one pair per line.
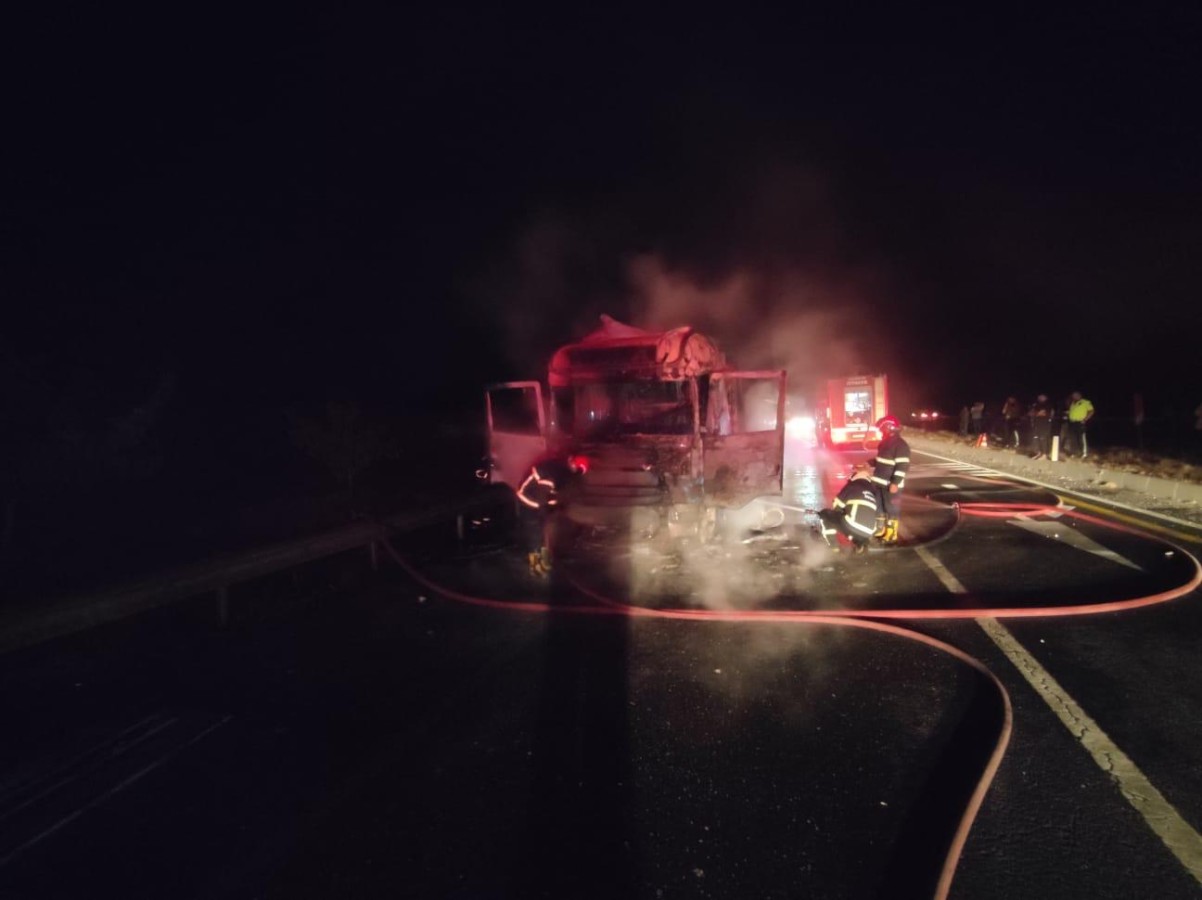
671,432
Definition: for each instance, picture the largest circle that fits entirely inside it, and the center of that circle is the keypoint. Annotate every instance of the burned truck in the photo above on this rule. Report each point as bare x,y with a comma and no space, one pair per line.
672,433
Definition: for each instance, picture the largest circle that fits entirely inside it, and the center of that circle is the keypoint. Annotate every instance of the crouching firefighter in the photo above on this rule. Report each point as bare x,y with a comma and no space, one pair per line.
853,512
540,495
889,475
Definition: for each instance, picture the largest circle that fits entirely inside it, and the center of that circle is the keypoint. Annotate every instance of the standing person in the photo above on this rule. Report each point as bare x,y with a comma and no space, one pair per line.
889,474
1080,411
1041,414
540,495
963,421
978,416
853,511
1060,423
1012,414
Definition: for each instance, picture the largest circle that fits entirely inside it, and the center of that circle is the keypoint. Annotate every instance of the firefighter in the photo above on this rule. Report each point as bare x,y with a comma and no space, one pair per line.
889,474
540,495
853,511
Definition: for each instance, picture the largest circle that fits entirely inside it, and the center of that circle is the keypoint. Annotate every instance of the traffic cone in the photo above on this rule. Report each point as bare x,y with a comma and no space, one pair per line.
983,440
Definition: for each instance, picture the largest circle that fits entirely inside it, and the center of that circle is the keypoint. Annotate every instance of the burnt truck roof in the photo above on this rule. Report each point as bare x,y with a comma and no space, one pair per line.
617,350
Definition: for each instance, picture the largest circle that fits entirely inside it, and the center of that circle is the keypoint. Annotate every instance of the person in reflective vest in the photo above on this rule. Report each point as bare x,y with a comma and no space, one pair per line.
539,495
853,512
889,475
1080,411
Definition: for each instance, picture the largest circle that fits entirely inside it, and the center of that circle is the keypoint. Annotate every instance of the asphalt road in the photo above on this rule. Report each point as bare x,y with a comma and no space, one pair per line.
663,720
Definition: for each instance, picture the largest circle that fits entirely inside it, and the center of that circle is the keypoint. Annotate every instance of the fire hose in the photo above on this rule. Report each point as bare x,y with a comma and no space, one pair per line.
870,620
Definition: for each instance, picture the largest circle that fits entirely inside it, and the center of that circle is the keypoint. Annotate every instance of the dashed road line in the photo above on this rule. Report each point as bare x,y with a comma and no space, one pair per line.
1182,840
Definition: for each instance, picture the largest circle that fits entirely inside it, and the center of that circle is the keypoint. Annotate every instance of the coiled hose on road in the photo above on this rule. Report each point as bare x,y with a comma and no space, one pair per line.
868,620
949,859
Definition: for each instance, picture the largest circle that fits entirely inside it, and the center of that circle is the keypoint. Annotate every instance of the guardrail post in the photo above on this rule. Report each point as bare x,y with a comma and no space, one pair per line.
1055,454
223,606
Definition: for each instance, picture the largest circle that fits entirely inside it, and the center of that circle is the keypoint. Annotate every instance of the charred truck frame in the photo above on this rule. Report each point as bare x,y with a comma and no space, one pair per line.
671,433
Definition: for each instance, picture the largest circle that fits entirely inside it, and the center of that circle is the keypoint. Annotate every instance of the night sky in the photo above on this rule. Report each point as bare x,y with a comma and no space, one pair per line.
276,211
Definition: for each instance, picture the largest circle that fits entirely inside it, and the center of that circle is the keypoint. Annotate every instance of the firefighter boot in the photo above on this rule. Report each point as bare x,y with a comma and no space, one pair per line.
889,536
880,527
544,561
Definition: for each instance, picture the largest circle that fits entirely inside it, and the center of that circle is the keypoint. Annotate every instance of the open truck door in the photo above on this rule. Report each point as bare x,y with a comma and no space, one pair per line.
517,430
744,437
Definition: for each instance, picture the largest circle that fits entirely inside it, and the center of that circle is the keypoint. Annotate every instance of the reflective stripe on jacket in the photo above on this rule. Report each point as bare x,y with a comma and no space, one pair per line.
892,462
539,490
858,504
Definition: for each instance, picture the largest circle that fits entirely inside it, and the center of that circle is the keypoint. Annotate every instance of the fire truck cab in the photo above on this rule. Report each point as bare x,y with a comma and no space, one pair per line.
849,411
668,428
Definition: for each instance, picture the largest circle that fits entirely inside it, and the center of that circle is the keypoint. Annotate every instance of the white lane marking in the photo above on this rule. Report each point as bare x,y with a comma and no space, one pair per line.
1066,534
1164,820
926,470
949,581
108,794
119,747
21,784
1192,528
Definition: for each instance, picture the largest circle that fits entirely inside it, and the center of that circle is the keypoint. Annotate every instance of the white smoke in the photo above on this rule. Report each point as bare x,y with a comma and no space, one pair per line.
764,259
815,327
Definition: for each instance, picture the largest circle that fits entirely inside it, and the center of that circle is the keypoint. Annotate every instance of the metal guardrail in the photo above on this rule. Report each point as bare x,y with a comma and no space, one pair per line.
23,625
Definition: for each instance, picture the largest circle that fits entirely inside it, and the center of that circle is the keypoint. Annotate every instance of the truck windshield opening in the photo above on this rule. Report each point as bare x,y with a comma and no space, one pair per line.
612,409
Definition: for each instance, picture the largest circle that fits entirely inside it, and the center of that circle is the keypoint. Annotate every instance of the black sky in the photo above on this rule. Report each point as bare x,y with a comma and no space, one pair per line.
279,209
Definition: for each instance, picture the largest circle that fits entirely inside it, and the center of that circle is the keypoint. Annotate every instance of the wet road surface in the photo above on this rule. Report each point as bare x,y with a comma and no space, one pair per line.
358,734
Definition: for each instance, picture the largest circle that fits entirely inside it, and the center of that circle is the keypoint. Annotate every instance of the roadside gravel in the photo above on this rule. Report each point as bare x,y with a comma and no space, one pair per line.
1174,499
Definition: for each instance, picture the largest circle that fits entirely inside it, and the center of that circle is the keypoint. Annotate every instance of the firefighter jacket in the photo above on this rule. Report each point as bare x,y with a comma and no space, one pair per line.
544,484
857,504
892,462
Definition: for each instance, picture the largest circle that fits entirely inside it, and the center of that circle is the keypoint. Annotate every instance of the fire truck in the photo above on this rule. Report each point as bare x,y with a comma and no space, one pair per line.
849,409
668,428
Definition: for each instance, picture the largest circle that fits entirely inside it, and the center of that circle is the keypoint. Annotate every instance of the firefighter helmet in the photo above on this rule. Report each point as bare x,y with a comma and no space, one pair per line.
888,423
